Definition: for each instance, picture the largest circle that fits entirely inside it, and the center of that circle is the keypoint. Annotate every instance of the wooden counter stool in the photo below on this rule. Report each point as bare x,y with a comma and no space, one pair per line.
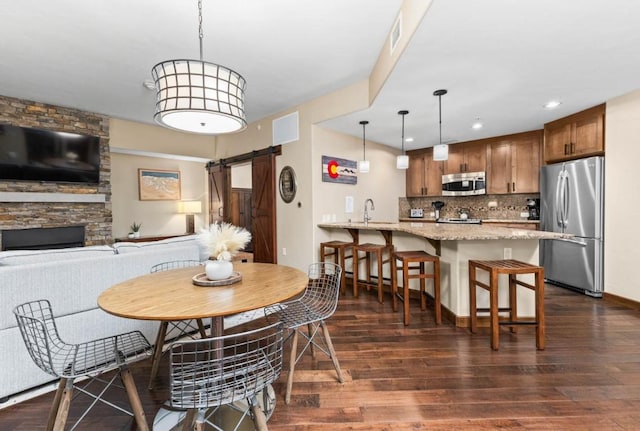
512,268
370,249
337,250
412,261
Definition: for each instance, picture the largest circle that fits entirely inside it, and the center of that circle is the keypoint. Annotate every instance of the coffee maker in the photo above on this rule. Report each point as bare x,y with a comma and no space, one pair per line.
534,209
437,206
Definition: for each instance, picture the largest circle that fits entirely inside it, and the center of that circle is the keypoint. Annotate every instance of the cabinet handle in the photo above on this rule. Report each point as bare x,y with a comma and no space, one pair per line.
508,187
566,147
513,187
461,167
572,148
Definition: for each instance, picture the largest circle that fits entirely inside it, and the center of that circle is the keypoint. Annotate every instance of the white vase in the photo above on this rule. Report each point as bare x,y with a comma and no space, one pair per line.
218,269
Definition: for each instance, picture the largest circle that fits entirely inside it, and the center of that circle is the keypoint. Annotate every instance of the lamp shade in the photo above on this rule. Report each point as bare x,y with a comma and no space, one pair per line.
402,162
363,166
199,97
440,152
189,207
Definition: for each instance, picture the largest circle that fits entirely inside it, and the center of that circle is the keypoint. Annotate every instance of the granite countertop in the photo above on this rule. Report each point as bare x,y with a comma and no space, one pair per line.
449,232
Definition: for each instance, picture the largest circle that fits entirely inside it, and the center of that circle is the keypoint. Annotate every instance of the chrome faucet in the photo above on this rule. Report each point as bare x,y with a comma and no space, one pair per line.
366,212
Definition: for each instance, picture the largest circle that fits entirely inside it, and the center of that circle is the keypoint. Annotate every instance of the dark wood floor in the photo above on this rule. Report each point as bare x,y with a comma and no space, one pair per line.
443,378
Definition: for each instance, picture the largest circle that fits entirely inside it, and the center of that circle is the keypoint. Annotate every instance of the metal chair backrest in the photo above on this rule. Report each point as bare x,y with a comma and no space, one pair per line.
323,290
174,264
221,370
40,334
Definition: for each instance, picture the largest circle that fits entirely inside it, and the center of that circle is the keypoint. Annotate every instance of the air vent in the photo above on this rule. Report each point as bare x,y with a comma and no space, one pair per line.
396,33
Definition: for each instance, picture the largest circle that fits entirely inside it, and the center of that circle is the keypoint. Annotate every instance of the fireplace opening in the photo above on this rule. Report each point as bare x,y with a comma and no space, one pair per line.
42,238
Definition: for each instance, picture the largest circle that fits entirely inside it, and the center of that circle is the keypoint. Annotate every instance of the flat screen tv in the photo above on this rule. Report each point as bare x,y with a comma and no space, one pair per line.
28,154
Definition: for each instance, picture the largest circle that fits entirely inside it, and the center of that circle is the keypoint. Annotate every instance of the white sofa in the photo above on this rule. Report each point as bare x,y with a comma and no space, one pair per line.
72,279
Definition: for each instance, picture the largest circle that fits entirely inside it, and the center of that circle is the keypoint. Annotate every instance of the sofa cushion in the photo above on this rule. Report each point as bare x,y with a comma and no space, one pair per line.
22,257
165,244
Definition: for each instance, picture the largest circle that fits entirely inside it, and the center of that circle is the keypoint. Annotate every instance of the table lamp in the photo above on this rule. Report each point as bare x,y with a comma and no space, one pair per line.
190,208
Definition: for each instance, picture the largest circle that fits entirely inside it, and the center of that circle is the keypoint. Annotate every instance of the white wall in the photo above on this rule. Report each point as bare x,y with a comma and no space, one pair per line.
622,208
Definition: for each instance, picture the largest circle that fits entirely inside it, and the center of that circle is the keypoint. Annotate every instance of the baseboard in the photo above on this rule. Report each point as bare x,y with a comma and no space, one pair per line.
629,303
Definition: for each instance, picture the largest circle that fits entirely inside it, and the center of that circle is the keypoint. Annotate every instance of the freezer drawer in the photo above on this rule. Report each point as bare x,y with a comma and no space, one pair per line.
574,263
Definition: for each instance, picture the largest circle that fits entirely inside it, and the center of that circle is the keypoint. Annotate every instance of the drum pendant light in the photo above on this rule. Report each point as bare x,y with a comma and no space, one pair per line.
363,166
402,161
197,96
441,151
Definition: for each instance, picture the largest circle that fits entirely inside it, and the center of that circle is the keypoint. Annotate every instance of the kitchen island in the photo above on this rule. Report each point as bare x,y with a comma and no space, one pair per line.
456,244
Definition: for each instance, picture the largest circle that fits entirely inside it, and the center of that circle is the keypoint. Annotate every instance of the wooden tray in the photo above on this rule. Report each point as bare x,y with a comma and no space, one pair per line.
202,280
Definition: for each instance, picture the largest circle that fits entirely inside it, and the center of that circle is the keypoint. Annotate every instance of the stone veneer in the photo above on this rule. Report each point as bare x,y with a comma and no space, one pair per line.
508,207
96,217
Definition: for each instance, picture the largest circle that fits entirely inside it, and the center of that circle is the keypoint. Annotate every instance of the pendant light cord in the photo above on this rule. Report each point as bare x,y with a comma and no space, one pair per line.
200,32
440,115
403,113
364,147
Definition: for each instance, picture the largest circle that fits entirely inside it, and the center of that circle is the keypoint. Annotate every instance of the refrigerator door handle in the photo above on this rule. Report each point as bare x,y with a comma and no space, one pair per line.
565,198
557,202
572,241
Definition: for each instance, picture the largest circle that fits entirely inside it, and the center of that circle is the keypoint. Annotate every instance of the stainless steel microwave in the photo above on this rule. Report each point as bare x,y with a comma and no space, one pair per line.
464,184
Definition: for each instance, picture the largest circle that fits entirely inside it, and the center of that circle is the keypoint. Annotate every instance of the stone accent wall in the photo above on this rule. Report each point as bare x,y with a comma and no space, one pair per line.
97,217
508,207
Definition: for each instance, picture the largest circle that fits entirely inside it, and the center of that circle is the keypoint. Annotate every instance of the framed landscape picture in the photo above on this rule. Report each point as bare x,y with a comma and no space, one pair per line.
158,185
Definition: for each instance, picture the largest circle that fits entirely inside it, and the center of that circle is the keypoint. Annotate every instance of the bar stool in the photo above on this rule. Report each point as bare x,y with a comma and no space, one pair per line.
337,250
411,261
512,268
370,249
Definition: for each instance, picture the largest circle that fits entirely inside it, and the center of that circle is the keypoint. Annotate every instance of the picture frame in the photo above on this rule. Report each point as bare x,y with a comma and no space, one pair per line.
158,185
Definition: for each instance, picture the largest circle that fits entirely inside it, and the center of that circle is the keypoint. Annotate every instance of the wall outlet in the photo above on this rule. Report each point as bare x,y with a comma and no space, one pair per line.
492,204
507,253
524,214
348,204
284,251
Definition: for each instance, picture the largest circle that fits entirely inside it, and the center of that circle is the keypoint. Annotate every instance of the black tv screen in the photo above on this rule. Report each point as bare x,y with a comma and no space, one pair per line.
28,154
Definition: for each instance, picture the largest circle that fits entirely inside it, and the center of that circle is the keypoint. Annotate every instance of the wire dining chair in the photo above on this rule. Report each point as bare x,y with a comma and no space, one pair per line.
225,372
177,328
70,362
312,309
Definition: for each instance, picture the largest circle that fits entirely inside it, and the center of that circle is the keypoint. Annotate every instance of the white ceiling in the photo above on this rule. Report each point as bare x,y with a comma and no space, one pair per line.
500,60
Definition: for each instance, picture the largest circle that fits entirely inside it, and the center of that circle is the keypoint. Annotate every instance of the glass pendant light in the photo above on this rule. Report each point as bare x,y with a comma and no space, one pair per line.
441,151
363,166
402,161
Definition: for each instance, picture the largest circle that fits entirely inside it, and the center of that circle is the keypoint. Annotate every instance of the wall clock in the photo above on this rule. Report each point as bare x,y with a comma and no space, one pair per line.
288,184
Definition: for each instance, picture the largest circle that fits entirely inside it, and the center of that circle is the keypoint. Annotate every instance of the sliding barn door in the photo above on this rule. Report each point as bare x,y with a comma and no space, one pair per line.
264,208
219,193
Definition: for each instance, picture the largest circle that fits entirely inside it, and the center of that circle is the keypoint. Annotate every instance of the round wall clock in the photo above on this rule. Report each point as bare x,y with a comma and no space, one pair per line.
288,184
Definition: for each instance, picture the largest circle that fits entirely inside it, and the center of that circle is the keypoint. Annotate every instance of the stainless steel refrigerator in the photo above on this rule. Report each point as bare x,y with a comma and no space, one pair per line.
572,201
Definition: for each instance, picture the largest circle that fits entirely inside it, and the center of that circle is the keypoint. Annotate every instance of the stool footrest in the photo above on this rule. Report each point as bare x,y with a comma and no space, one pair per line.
517,322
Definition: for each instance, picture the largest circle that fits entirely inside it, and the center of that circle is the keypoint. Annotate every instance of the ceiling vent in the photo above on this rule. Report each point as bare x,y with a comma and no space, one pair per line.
396,33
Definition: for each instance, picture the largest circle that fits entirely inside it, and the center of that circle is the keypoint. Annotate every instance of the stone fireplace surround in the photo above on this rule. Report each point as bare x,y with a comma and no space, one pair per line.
32,204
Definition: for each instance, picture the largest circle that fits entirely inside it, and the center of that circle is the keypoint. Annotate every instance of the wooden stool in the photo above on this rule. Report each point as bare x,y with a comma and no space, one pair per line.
418,258
379,250
338,251
513,268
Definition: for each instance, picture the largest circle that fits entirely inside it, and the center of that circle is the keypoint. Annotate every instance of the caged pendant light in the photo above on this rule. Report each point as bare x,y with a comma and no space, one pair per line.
402,161
197,96
363,166
441,151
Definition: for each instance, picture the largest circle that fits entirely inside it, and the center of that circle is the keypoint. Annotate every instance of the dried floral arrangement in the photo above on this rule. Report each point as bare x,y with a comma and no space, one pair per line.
224,240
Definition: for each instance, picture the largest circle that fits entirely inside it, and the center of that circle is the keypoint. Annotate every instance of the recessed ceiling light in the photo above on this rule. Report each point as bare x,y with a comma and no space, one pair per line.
477,125
409,139
552,104
149,84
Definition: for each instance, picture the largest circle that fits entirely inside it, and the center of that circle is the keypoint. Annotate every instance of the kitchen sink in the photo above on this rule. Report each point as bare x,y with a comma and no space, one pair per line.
459,220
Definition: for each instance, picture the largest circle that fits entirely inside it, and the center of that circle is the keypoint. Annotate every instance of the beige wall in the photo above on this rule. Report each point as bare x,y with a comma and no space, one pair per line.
622,209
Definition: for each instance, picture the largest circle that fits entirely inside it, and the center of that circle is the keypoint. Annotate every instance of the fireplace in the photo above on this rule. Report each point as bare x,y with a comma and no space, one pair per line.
43,238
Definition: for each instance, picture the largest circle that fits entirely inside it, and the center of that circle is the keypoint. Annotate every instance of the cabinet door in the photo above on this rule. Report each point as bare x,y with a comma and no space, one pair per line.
455,161
588,136
556,142
525,160
433,175
415,175
475,157
499,168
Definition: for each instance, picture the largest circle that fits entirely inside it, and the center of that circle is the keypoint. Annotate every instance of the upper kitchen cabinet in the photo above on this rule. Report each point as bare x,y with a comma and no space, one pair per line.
576,136
424,176
513,163
466,157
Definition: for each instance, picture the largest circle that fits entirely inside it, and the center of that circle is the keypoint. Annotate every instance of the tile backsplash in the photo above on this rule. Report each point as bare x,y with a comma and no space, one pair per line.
507,207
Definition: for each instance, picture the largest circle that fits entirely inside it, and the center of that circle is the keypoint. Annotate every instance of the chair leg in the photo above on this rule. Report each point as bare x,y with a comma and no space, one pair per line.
63,409
493,305
157,352
356,262
332,352
394,283
292,366
405,292
134,398
513,303
312,347
55,406
201,329
189,419
259,419
539,294
436,291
